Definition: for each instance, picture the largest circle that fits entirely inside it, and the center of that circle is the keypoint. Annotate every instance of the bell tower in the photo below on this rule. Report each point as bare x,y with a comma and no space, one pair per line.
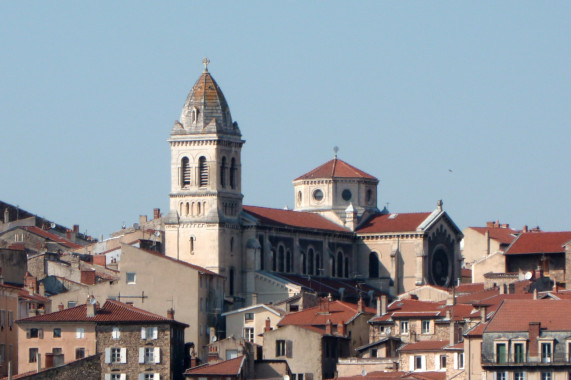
206,192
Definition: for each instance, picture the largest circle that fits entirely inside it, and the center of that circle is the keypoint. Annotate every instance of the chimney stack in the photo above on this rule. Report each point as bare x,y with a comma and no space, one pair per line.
452,332
534,332
341,328
360,305
268,326
42,289
483,313
328,327
90,307
156,213
142,219
525,228
88,277
76,228
378,306
384,304
60,307
170,313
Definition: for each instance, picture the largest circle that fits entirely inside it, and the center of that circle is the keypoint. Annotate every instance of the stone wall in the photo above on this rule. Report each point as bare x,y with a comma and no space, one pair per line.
87,368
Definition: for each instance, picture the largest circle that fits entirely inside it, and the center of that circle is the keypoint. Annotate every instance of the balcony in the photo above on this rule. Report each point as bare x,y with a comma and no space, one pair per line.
490,361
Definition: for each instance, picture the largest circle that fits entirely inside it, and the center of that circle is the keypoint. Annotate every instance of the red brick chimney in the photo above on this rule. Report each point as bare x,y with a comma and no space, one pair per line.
268,326
100,260
88,277
525,228
156,213
76,228
213,354
360,305
324,305
170,313
341,328
328,327
534,333
60,307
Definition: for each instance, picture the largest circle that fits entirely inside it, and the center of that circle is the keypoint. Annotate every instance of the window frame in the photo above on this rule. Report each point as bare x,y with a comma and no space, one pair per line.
497,359
546,343
115,355
132,280
56,332
79,350
404,327
33,354
281,348
427,323
249,334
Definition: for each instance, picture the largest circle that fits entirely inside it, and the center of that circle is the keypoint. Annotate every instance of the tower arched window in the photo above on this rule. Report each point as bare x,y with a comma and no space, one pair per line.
289,261
310,261
281,258
233,173
339,264
223,169
185,172
346,267
273,253
203,171
187,209
332,266
194,115
303,263
373,265
318,264
191,243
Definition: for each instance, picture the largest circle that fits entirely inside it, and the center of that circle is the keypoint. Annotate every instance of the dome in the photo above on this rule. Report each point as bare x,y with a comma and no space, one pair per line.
206,109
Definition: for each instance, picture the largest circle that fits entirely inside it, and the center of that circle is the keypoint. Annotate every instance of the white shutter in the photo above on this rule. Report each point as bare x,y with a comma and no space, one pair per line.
123,377
423,363
437,363
141,355
78,333
411,361
456,360
123,355
107,355
143,333
141,376
107,376
157,355
155,332
156,376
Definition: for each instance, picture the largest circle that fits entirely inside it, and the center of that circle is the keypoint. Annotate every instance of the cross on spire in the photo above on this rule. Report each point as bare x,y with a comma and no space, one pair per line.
205,62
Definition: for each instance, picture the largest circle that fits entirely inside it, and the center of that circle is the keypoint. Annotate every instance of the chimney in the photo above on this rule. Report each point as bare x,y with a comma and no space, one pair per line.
328,327
170,313
378,306
452,337
384,304
483,313
142,219
525,228
88,277
60,307
76,228
254,298
341,328
90,307
490,224
49,359
535,293
451,301
360,305
42,289
156,213
502,288
268,326
324,305
534,333
538,273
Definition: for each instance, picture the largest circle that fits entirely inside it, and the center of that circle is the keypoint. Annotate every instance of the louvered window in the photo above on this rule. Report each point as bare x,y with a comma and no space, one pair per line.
233,173
203,170
185,172
223,172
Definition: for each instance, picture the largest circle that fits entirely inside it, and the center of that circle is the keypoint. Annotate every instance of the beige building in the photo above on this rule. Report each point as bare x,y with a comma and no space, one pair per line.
249,323
335,230
8,332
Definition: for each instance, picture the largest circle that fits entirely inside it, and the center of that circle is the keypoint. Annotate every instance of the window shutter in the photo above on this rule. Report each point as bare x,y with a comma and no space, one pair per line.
157,355
107,376
2,317
155,332
437,362
123,377
77,333
141,376
123,355
156,376
141,355
108,355
411,363
41,333
143,333
456,361
28,333
423,363
11,318
289,348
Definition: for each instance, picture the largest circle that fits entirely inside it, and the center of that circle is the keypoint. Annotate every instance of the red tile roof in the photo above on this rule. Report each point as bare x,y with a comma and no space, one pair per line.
383,223
478,330
335,168
429,375
112,311
426,345
539,242
48,235
469,288
339,311
231,367
503,235
288,218
409,306
377,375
515,315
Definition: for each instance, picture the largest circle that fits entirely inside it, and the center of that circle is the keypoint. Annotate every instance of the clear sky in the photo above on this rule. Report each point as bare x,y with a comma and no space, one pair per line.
468,102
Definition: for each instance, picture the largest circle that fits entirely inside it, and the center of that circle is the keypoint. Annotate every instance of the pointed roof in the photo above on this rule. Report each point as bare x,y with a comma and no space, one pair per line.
230,367
405,222
539,242
211,111
289,218
336,168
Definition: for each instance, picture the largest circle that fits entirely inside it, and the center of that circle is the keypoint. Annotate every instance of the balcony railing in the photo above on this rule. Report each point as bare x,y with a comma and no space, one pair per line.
556,360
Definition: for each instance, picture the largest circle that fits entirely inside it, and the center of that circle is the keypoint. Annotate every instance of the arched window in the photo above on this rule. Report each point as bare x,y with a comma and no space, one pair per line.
187,211
194,115
373,265
281,258
231,279
310,261
203,171
233,173
303,263
289,261
197,208
223,168
346,267
185,172
318,265
273,253
339,264
332,266
181,208
191,241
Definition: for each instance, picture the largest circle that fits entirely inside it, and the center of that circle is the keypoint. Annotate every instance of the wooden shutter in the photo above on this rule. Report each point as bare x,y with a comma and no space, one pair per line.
289,348
141,355
108,355
143,333
123,355
423,361
155,332
41,333
141,376
123,377
157,355
411,363
156,376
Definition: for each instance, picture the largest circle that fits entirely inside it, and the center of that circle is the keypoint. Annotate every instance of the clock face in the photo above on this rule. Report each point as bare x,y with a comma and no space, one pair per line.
439,268
346,195
318,195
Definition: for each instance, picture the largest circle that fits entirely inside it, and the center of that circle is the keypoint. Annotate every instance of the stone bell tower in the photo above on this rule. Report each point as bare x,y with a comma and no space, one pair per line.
202,226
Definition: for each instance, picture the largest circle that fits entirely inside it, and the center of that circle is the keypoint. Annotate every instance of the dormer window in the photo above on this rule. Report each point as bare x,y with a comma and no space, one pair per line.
194,115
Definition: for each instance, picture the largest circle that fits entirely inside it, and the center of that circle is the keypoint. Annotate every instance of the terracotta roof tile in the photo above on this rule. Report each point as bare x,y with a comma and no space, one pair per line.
469,288
112,311
515,315
288,218
335,168
384,223
539,242
338,311
426,345
48,235
231,367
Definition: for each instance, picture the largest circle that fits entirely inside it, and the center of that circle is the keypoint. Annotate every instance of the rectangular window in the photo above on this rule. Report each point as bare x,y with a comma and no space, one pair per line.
80,333
280,348
519,375
461,360
442,361
80,353
546,376
519,352
71,304
248,317
131,277
404,327
115,355
152,332
501,353
501,376
149,355
33,355
115,333
425,327
249,334
115,376
374,353
57,333
34,333
57,351
418,362
231,354
546,353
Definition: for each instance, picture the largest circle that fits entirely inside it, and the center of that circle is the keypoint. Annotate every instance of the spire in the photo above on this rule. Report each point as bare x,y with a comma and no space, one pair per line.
205,62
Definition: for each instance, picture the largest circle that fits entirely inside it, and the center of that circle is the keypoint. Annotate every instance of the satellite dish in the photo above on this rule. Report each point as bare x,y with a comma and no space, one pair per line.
528,276
52,225
363,373
213,339
157,233
136,226
92,300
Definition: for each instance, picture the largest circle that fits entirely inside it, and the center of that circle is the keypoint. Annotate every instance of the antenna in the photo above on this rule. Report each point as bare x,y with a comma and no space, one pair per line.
335,150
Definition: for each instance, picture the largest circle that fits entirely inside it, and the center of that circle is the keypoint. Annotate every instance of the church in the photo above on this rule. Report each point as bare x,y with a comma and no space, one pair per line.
335,232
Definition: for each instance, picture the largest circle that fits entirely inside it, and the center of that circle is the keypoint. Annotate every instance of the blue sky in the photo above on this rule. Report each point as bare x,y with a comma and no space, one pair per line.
468,102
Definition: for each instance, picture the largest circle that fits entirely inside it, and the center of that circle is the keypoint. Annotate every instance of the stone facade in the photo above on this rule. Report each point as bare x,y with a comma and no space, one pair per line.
86,368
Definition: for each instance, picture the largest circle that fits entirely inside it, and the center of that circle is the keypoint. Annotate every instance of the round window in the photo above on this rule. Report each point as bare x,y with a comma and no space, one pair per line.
318,195
346,195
